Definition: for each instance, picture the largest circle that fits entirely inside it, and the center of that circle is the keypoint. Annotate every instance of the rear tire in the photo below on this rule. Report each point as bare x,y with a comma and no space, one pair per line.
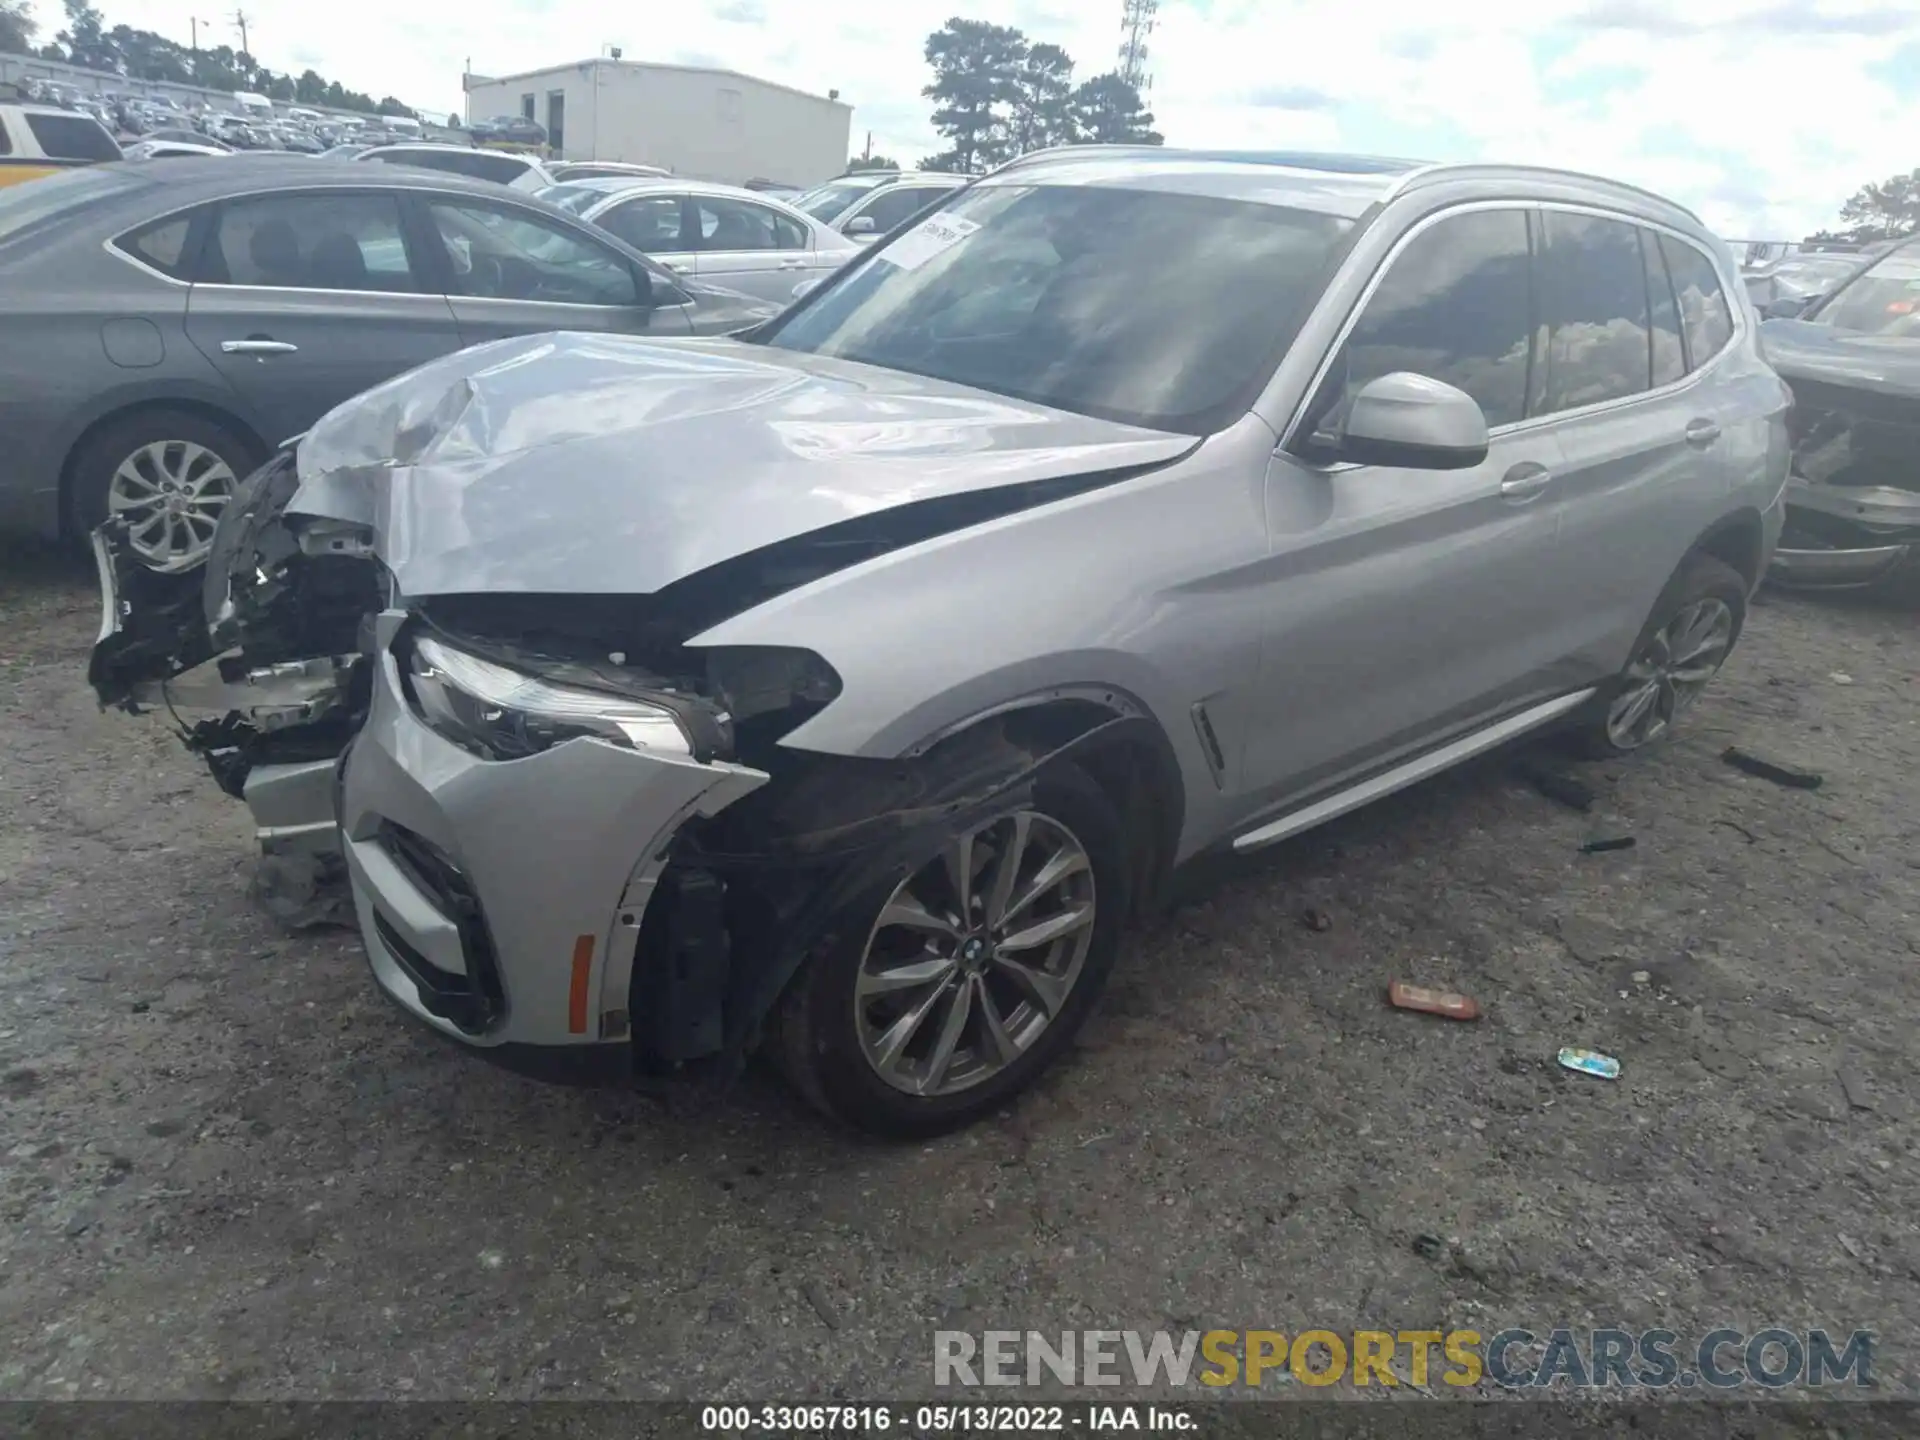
836,1019
169,472
1689,635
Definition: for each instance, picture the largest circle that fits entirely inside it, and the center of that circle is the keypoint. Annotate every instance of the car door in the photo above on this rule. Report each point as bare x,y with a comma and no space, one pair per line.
1643,472
656,223
748,247
1411,604
509,270
303,300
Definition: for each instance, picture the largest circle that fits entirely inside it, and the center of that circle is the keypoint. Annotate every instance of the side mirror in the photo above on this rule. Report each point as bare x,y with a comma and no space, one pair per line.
642,287
1414,422
862,225
1787,307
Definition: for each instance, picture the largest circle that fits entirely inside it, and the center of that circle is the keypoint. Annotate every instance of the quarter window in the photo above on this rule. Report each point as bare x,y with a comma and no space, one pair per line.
736,225
1704,316
312,242
1592,285
161,246
1669,356
499,254
1452,307
72,137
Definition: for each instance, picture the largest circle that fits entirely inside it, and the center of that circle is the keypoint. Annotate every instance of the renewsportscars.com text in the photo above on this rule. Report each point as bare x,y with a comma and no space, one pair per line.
1513,1359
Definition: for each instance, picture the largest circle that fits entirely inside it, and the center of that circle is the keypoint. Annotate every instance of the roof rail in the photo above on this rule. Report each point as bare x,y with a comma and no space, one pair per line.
1451,169
1329,162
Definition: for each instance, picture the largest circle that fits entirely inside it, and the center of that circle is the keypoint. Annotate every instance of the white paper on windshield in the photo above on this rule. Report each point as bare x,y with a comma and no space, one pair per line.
933,236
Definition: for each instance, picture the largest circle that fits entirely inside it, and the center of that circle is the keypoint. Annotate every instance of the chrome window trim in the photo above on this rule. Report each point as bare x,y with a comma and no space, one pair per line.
1673,387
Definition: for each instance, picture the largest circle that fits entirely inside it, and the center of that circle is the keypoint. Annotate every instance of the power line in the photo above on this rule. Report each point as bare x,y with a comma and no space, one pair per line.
1136,23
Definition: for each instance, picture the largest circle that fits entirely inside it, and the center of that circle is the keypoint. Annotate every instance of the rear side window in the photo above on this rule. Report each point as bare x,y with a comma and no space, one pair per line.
899,202
311,242
1592,287
1669,357
161,245
72,137
1452,307
1704,315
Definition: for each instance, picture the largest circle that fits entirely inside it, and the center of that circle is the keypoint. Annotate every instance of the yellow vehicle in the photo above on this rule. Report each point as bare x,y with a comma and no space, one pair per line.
38,140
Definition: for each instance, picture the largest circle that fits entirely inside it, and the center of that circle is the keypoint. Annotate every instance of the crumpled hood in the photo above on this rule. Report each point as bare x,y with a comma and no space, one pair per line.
1884,364
596,464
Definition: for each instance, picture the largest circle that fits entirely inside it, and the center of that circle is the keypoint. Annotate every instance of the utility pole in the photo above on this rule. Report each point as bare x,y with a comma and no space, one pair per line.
1136,24
196,23
240,19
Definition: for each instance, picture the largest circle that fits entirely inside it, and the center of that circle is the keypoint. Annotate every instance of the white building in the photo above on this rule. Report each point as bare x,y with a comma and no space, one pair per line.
705,124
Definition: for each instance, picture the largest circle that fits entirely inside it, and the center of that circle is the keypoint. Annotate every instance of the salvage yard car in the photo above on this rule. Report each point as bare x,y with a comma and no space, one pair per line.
164,326
843,686
41,140
1853,361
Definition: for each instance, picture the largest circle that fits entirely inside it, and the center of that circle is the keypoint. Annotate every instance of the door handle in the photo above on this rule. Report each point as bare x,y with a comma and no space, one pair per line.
679,267
1702,433
793,264
1525,480
258,345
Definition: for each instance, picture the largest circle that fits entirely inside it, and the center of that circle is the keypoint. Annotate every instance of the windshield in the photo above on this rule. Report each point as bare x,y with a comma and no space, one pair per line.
1163,310
828,200
1883,299
574,199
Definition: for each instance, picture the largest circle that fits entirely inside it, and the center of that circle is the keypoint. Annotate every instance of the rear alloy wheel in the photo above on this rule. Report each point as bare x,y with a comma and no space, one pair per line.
172,494
1685,642
169,475
971,975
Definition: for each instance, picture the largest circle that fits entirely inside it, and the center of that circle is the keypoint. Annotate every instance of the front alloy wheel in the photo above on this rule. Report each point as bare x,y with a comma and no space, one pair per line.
973,957
937,998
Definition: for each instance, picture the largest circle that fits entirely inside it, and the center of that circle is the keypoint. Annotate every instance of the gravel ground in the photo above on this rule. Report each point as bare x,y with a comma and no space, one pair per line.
231,1169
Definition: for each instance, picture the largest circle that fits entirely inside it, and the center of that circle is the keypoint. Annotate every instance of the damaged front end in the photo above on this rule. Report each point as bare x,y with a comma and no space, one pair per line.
261,648
1853,500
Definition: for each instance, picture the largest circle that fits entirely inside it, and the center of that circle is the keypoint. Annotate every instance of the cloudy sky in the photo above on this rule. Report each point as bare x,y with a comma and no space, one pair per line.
1763,115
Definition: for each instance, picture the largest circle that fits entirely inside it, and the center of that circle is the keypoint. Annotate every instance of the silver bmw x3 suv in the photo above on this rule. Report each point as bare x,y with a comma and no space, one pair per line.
841,687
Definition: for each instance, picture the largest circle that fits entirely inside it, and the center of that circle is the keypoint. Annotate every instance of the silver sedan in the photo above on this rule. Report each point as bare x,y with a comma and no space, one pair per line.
722,234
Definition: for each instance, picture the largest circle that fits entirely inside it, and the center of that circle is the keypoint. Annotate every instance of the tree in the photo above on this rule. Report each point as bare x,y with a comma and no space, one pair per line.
1043,95
16,27
974,91
870,162
83,41
1107,110
390,106
1884,211
455,123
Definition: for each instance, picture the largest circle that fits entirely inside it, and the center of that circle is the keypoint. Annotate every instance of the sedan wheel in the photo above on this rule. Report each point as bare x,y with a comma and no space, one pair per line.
973,957
171,493
1669,673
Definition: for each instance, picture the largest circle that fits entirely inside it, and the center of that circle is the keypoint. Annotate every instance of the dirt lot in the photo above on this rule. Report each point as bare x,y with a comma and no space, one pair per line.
232,1169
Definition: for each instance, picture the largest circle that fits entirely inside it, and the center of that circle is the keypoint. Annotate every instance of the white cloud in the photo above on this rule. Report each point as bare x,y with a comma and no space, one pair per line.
1761,114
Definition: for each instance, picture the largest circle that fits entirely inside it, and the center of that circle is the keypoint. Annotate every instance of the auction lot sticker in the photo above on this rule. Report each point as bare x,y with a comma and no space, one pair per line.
933,236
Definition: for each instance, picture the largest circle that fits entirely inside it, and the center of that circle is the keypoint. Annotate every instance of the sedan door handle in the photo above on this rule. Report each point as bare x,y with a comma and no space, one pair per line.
257,346
1702,433
1525,480
793,264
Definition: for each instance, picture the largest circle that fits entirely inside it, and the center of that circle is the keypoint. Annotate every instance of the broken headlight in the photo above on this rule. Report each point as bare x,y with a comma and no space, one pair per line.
507,714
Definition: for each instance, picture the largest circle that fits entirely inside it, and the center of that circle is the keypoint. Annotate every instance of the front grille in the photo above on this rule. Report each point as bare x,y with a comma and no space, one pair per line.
474,1001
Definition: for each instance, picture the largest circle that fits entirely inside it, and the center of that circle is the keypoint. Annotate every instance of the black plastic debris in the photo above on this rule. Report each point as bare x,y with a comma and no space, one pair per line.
1602,841
1780,773
1557,785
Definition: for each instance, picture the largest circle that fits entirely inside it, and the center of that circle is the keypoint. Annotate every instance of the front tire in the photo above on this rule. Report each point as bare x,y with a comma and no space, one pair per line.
169,473
1688,637
944,996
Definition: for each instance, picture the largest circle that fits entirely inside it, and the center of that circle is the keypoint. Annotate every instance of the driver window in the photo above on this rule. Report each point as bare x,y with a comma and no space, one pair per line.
495,253
1453,307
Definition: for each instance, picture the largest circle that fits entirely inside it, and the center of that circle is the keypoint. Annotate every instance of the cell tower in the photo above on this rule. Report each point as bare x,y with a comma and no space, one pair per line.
1136,24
